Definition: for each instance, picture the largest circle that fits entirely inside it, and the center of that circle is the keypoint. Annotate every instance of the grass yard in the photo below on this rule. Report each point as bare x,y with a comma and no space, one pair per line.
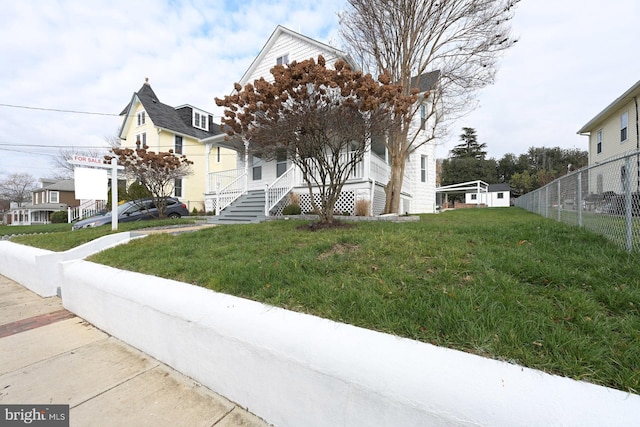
502,283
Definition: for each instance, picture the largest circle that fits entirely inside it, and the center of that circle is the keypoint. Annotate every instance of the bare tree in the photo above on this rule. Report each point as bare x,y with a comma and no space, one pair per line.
61,167
322,119
462,39
157,172
18,188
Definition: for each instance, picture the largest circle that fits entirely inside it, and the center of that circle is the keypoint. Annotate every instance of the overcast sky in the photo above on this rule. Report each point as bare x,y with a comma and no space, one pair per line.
573,58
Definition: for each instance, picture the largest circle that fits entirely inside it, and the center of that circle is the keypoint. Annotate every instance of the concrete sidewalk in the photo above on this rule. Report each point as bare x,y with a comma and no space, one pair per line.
50,356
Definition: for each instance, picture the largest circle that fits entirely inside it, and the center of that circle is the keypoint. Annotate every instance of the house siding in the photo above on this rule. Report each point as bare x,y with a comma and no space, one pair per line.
416,196
609,178
297,50
611,144
194,185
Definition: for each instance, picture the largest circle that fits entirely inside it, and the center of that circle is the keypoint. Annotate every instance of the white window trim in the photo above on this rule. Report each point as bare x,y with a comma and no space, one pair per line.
282,59
175,146
199,115
142,118
599,141
178,183
57,197
624,119
142,137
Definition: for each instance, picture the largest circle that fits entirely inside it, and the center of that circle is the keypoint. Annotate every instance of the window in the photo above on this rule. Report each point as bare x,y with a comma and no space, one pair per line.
474,197
141,138
141,118
177,188
281,162
423,117
282,60
256,167
624,123
599,142
218,154
177,146
423,169
200,120
54,197
500,195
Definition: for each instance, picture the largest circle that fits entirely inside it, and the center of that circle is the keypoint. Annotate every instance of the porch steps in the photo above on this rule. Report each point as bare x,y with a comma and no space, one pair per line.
248,208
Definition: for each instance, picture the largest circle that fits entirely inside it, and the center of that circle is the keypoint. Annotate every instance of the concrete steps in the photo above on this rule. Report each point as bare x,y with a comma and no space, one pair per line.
247,209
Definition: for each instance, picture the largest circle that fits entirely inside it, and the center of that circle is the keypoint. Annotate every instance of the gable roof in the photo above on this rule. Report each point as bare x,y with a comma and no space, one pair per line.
498,187
164,116
280,30
426,81
621,100
63,185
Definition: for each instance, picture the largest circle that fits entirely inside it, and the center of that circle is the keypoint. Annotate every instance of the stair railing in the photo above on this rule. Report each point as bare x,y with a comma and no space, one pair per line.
278,189
230,192
85,210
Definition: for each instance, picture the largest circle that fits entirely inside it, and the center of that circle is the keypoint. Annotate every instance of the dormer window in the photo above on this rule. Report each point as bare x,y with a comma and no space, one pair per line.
200,120
282,60
141,118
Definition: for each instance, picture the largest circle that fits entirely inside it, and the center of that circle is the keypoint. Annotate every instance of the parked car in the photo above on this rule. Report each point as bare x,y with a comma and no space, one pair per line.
618,205
135,210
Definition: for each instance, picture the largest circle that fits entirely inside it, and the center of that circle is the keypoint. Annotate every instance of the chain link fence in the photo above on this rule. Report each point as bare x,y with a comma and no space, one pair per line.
603,198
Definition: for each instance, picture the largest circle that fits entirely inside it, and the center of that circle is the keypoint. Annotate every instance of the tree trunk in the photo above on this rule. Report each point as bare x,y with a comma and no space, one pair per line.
394,186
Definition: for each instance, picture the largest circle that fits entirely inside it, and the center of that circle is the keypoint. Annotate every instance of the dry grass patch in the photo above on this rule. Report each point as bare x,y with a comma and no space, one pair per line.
338,249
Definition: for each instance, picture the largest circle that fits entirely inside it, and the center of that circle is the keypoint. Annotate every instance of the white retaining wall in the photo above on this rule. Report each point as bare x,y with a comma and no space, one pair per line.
294,369
39,269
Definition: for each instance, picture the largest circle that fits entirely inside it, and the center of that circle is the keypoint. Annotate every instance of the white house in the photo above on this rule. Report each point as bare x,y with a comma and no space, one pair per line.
494,196
264,185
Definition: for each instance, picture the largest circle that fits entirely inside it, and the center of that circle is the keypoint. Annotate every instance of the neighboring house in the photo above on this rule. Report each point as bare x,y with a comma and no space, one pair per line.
612,133
493,196
276,179
182,129
52,196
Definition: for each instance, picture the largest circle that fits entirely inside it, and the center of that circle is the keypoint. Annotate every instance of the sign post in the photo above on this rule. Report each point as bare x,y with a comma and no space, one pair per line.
97,162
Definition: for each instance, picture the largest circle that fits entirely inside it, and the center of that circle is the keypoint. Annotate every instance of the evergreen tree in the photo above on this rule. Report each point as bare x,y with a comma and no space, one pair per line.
470,147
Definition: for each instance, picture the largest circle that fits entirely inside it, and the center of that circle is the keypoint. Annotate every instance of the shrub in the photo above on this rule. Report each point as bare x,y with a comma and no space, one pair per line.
294,198
292,209
194,211
59,217
362,207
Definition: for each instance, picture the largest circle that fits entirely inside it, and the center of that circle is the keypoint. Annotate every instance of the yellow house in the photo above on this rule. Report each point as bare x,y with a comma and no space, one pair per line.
147,121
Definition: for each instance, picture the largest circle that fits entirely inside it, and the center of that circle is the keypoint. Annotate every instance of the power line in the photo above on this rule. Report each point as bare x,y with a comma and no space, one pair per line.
57,110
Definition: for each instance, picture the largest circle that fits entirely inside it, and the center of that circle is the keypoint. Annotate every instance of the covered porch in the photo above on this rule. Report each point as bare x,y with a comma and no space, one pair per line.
278,178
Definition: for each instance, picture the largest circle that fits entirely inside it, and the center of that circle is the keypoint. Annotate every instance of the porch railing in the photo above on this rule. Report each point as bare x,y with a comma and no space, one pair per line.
229,193
379,169
85,210
217,180
278,189
357,172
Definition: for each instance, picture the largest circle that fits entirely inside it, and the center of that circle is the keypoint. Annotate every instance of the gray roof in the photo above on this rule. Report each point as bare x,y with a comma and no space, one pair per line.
166,117
498,187
46,207
426,81
64,185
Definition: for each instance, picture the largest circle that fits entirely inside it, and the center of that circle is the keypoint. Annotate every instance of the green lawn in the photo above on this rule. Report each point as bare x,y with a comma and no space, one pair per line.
502,283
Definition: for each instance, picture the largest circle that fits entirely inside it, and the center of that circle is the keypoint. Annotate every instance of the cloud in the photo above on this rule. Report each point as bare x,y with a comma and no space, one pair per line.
574,57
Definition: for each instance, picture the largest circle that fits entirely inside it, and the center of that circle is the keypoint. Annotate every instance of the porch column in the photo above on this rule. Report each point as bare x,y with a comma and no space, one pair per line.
367,163
246,165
